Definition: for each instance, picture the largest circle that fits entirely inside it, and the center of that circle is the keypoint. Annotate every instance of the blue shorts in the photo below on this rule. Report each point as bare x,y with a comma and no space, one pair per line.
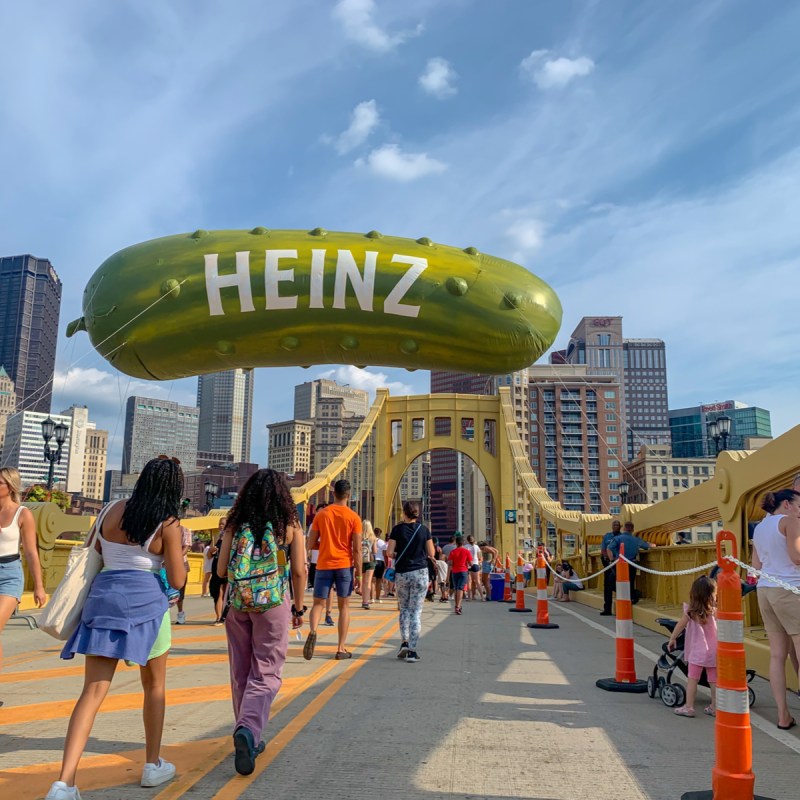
325,578
486,567
11,579
459,580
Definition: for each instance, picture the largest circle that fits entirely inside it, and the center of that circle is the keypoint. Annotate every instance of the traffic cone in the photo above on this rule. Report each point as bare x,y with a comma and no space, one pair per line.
732,777
507,587
625,678
542,608
520,606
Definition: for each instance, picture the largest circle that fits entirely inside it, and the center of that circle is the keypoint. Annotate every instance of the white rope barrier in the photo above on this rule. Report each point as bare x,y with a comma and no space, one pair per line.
578,578
691,571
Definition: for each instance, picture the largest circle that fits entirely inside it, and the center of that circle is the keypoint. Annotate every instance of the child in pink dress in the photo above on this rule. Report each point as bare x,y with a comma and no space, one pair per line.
700,648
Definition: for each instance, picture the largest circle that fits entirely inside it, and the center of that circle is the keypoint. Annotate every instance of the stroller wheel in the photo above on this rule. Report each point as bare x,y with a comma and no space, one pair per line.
751,697
672,695
652,686
661,682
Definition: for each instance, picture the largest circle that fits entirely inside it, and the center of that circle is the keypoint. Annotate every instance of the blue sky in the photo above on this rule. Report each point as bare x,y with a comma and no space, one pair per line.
641,157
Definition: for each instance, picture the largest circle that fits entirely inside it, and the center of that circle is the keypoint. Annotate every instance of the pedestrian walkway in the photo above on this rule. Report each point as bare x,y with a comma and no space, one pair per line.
493,710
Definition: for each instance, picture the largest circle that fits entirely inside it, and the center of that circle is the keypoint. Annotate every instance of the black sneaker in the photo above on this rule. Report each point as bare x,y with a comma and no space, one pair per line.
606,614
412,657
403,651
245,757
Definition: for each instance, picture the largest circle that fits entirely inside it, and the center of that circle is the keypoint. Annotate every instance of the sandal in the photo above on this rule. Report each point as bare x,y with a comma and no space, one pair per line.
791,725
709,712
684,712
341,655
308,647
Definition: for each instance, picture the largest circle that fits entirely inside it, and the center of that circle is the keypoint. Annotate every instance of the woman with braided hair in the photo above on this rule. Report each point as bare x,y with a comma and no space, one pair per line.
126,616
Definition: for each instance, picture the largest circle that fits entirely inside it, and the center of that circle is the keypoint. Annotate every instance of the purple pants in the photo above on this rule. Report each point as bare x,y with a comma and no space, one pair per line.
257,645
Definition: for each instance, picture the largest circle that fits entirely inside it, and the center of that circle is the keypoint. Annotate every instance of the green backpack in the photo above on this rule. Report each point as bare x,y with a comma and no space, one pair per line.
258,576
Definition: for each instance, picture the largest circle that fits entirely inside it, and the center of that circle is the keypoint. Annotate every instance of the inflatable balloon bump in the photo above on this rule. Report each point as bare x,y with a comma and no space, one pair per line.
215,300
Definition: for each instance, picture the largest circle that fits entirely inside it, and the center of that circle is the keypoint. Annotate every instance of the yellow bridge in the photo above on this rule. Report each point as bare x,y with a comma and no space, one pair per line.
399,429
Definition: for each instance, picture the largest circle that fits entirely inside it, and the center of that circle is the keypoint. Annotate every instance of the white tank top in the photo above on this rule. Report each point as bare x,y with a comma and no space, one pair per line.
129,556
9,537
770,544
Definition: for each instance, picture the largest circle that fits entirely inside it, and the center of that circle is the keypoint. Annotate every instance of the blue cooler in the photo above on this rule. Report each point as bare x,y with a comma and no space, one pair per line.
497,584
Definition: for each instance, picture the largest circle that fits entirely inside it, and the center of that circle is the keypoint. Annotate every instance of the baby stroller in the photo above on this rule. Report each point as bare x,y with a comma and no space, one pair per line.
660,684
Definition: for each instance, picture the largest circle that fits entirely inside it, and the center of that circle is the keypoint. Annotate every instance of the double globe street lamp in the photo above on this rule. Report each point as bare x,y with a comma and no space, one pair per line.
211,494
57,431
719,429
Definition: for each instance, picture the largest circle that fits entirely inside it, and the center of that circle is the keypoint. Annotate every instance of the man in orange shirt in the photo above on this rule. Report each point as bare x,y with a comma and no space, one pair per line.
336,531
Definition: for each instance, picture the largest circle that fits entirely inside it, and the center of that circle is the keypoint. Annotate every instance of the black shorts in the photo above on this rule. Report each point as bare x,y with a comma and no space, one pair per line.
380,566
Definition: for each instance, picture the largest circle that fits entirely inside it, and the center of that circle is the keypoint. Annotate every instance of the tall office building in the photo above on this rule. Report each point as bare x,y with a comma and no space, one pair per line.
94,463
639,366
8,403
225,400
154,427
24,448
307,395
450,470
750,428
79,426
576,437
416,482
290,445
30,304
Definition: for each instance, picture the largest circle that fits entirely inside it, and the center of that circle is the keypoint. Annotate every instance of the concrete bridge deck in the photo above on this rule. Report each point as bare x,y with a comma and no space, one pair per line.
493,710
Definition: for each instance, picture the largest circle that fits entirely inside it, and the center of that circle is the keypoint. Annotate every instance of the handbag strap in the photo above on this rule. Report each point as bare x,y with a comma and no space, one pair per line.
92,537
397,560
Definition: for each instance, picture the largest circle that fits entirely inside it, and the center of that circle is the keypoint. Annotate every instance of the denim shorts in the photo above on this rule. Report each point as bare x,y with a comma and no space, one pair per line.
324,579
459,580
11,579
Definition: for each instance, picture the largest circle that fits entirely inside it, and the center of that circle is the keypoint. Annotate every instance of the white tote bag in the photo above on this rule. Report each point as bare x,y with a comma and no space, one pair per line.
63,611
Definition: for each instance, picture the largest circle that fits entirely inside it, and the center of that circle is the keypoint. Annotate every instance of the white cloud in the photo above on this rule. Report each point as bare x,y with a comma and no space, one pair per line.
438,78
357,19
363,121
364,379
554,73
391,162
526,234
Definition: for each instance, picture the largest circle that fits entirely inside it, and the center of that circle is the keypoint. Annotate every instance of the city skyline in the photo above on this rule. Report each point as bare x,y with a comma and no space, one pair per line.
678,205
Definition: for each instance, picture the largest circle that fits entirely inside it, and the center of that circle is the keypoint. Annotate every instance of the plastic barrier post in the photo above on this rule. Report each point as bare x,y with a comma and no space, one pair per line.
542,609
520,589
624,679
507,589
732,777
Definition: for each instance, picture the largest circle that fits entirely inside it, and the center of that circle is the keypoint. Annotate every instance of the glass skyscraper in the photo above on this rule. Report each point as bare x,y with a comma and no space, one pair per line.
225,400
689,427
30,304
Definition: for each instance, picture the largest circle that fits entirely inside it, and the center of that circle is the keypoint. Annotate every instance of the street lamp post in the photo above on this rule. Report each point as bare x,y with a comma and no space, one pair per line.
724,428
624,488
715,433
211,494
57,431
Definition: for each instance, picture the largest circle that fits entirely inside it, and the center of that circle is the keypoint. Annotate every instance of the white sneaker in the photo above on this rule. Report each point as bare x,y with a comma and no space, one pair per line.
181,618
156,774
60,791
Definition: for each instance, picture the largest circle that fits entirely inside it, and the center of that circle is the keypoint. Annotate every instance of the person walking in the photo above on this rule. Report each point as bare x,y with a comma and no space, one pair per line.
380,565
488,555
460,559
207,563
633,546
474,587
337,529
261,531
413,544
125,616
217,586
700,650
369,561
610,575
17,527
186,545
776,551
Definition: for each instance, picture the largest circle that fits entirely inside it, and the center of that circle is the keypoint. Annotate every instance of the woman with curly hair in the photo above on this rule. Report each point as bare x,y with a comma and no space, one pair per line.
261,530
126,615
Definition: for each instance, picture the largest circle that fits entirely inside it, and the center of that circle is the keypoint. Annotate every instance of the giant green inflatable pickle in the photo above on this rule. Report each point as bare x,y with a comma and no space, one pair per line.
215,300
